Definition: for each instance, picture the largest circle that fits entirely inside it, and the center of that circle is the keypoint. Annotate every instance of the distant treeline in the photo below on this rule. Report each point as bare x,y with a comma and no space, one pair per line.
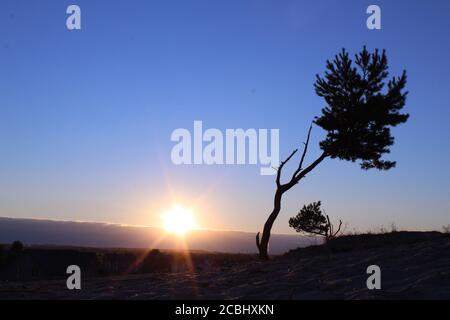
20,263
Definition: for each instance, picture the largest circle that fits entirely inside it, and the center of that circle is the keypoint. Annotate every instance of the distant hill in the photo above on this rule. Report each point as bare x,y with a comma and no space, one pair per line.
89,234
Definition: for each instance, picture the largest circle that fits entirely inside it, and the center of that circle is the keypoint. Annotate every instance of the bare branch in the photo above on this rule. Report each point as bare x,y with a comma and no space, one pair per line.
339,229
282,165
304,154
317,232
330,227
308,169
258,245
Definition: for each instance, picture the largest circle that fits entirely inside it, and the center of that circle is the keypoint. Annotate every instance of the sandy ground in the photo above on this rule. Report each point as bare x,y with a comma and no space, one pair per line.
411,268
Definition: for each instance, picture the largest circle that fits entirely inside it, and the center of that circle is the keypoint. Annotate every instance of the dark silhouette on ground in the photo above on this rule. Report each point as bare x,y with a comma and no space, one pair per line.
47,263
414,265
310,219
361,106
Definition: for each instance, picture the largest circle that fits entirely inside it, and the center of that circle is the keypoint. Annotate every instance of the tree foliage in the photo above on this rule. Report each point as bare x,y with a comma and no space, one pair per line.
361,108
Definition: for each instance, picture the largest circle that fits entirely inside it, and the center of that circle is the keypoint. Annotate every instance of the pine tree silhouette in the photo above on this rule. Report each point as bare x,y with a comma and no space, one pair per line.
361,107
310,219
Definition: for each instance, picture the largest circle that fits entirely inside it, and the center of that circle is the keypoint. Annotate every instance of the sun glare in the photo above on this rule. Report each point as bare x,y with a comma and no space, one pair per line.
179,220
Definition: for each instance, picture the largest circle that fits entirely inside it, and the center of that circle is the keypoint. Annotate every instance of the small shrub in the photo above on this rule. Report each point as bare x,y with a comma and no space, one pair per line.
310,219
16,247
15,250
393,227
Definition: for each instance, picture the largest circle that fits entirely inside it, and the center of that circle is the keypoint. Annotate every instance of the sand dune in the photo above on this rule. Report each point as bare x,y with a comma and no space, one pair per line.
413,266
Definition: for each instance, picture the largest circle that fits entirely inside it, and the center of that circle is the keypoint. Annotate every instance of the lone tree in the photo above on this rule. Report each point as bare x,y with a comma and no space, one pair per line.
361,106
16,247
310,219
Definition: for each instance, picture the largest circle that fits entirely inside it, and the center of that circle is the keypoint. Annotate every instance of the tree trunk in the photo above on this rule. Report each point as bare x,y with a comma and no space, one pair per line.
264,244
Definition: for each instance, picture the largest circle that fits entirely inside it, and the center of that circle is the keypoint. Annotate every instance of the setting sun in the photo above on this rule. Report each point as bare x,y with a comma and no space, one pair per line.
179,220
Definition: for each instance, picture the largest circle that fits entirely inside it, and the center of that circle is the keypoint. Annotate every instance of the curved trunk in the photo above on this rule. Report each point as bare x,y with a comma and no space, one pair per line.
264,243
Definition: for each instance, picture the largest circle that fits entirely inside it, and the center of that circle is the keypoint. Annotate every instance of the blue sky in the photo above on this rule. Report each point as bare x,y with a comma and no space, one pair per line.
86,116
